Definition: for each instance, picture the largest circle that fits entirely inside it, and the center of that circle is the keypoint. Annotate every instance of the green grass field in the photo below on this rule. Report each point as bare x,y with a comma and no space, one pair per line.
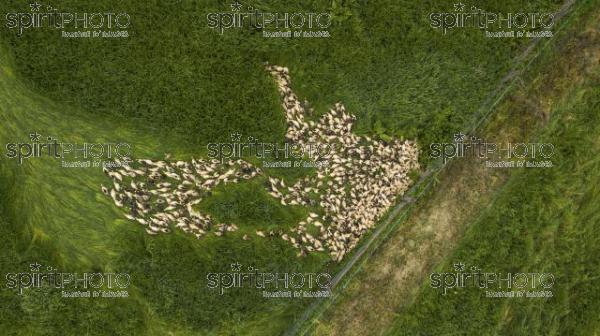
394,284
544,221
175,85
174,74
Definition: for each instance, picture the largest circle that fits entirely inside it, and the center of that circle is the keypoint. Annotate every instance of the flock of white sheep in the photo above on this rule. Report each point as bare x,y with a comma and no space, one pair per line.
169,191
356,187
349,194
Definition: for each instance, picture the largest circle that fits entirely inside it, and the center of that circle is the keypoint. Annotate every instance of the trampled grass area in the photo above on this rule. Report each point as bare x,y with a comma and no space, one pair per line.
57,216
173,86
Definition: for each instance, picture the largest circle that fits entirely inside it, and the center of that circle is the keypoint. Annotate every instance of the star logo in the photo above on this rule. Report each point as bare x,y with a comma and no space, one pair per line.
35,136
35,6
459,137
236,6
459,7
235,137
35,267
459,267
251,139
236,267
